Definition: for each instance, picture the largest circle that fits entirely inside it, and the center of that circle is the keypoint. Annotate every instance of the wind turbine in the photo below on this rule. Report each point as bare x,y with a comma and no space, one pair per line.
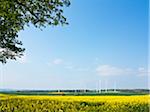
85,88
115,87
99,87
106,89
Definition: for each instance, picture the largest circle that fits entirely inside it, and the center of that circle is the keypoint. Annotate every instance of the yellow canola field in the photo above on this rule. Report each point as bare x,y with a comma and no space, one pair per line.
74,103
142,98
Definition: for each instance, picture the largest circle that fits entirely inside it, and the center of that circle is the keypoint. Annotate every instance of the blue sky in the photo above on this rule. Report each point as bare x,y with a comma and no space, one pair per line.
106,40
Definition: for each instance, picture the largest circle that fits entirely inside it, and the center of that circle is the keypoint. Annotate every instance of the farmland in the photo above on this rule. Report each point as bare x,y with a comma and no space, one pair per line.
26,103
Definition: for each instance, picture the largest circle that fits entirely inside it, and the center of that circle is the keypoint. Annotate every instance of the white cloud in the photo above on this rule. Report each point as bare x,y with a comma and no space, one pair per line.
57,61
108,70
142,71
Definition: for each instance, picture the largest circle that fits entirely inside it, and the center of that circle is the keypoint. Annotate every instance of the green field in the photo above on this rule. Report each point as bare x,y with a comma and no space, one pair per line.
78,92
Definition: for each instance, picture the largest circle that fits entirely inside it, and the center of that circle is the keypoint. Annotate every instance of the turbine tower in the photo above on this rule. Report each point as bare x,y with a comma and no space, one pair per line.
106,89
115,90
99,89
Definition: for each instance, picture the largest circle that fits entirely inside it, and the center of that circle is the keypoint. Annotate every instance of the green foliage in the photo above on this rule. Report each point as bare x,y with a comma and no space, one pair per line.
15,14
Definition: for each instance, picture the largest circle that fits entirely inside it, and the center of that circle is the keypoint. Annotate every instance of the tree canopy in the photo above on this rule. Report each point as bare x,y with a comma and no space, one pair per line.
15,14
